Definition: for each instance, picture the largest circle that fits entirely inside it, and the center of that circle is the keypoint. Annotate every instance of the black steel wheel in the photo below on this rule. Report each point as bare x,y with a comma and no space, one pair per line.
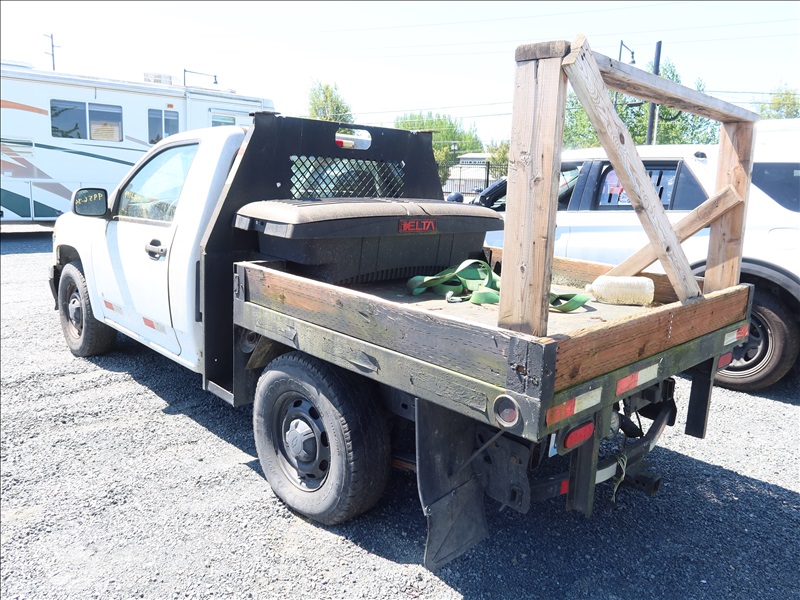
322,438
85,335
770,351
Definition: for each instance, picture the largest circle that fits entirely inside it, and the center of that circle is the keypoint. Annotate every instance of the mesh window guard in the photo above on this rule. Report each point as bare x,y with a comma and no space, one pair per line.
324,177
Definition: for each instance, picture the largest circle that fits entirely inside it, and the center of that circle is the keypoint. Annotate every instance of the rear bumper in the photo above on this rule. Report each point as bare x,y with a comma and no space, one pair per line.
634,453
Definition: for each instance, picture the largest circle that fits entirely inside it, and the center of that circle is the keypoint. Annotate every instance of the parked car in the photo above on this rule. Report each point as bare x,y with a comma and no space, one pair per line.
596,222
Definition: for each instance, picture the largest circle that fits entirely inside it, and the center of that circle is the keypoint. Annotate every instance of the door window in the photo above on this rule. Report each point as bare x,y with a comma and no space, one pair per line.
154,191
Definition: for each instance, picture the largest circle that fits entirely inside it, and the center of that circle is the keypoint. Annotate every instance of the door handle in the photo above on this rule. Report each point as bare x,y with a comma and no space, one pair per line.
155,250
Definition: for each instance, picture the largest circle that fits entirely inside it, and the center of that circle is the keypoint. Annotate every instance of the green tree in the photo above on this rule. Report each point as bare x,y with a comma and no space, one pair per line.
670,126
784,104
327,104
447,132
499,152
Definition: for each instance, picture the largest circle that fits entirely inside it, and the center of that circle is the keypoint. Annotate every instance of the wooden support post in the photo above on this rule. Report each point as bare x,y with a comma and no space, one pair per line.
734,168
537,130
587,81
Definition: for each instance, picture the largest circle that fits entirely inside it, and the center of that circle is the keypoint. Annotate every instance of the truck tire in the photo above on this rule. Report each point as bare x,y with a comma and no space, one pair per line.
85,335
771,350
322,438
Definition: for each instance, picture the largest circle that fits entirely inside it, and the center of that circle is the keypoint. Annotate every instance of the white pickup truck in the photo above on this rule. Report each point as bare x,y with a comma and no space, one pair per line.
274,260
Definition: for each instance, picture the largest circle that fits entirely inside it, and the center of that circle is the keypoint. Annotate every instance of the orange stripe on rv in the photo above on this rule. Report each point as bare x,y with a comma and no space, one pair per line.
25,107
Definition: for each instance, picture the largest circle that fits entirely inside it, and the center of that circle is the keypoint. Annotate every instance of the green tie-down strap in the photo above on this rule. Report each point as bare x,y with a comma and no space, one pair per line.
474,281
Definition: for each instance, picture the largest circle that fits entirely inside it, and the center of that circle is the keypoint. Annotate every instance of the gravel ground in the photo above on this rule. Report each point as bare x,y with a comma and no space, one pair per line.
121,478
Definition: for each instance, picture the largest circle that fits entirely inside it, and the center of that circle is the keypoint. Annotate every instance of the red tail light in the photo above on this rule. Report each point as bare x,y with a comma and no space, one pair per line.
578,435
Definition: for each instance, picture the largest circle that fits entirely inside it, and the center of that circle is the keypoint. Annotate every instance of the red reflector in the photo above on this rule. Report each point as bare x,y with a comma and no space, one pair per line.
564,487
578,435
559,412
627,383
725,360
742,331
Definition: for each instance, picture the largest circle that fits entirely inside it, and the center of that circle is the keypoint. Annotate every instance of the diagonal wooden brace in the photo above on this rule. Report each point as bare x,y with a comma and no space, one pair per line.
587,81
708,212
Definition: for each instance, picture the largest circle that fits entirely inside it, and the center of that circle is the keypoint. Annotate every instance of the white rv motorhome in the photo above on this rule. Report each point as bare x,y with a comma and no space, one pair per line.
62,132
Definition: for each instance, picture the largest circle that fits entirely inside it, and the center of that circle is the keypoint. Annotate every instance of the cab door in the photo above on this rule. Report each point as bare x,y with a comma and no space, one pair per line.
138,248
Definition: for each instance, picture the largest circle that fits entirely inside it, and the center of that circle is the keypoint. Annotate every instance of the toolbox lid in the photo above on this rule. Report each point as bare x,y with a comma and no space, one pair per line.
304,218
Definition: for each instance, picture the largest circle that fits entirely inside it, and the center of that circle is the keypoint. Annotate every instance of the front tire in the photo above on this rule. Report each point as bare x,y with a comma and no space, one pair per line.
322,438
770,351
85,335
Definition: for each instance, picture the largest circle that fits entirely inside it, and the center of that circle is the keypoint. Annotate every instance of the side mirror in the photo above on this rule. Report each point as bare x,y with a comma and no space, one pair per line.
90,202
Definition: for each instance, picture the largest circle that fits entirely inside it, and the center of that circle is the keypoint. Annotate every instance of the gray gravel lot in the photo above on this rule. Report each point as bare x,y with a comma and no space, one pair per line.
121,478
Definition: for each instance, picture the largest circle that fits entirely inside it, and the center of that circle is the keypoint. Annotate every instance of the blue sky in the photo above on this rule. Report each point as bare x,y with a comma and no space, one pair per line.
387,58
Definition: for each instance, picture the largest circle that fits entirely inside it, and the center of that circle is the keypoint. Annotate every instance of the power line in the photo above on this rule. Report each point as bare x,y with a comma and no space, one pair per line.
516,18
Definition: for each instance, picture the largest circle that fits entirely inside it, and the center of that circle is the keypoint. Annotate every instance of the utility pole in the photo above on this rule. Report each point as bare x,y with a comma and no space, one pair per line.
53,47
651,120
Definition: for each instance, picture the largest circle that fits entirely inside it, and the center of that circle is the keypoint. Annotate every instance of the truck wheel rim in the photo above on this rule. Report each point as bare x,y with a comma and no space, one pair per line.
303,448
75,311
750,357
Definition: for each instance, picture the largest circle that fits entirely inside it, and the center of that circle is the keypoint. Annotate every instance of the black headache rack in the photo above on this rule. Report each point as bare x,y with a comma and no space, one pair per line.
336,213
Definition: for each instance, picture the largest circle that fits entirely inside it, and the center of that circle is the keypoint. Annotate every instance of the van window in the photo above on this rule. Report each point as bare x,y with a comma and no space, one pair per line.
780,181
68,119
161,124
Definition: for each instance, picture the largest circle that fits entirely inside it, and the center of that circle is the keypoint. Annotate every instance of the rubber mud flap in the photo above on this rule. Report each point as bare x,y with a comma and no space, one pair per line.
449,490
456,523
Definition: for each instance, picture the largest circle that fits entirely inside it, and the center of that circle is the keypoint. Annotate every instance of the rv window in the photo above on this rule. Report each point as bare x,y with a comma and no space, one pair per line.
68,119
218,120
161,124
105,122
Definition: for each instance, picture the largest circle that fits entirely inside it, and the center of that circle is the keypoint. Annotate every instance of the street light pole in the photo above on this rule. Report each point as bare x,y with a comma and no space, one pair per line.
651,120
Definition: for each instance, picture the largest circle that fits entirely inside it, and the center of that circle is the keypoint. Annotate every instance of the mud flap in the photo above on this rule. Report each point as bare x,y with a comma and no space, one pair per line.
449,491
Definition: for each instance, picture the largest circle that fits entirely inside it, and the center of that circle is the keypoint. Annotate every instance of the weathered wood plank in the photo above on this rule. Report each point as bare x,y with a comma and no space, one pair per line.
470,348
584,75
534,164
727,234
540,50
652,88
710,210
467,395
593,351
